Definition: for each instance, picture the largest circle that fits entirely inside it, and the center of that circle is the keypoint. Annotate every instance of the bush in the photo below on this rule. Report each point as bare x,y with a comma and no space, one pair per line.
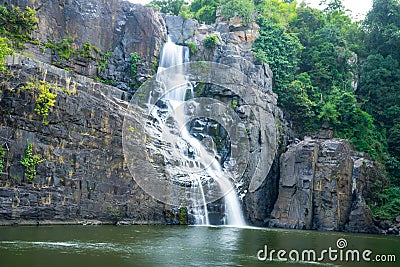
63,48
46,99
185,12
135,60
5,51
192,47
17,24
211,41
30,162
2,156
388,203
170,7
206,14
204,10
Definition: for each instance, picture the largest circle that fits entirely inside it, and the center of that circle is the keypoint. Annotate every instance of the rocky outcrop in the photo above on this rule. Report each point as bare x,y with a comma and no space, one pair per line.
116,26
84,175
322,187
181,30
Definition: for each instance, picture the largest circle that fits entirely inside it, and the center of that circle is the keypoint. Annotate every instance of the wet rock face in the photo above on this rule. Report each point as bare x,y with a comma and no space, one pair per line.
322,187
119,27
84,175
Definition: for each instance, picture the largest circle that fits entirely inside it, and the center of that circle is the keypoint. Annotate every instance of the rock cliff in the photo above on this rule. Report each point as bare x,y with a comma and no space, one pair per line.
322,186
114,26
84,175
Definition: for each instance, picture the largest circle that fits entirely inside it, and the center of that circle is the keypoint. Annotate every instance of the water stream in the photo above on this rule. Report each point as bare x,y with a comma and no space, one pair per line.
193,155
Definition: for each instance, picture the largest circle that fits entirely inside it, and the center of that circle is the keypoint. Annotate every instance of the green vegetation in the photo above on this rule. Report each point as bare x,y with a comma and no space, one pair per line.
243,9
134,60
103,61
46,99
329,70
15,28
192,47
5,51
30,162
211,41
2,157
63,48
183,216
17,24
88,51
115,214
171,7
204,10
387,203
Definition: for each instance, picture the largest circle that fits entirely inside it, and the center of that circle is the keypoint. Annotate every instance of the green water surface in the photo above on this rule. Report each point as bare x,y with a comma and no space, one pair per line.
69,246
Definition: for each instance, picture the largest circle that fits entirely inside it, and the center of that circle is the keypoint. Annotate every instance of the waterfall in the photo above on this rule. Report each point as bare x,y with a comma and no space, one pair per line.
195,153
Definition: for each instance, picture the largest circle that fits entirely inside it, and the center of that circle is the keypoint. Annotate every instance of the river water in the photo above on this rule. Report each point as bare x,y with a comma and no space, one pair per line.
187,246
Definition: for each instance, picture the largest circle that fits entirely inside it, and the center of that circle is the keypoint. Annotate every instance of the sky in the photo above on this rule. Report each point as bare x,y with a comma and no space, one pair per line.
358,8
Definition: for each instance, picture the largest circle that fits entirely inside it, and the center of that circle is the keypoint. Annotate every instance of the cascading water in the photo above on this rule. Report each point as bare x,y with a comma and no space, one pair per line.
193,152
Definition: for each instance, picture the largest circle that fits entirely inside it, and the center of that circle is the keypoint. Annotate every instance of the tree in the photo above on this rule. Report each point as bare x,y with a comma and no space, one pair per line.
379,89
280,50
382,24
278,11
394,139
206,15
204,10
170,7
240,8
296,101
